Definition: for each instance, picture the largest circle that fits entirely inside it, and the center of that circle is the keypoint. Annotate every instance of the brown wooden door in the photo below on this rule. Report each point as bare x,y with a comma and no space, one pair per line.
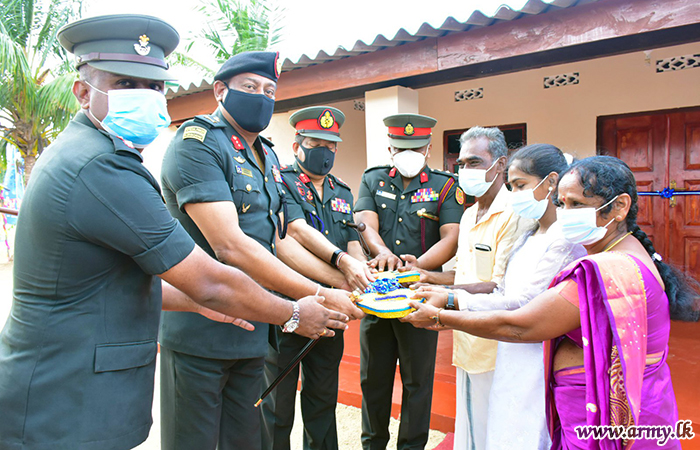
663,150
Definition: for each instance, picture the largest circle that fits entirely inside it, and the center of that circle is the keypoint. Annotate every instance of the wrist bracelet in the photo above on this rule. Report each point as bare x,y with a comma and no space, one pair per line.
334,257
337,261
436,317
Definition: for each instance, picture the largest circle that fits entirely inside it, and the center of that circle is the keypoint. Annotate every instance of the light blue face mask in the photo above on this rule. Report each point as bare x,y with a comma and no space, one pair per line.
525,205
579,224
135,115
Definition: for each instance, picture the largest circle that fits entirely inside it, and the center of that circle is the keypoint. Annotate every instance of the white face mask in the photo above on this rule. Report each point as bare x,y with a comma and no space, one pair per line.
524,203
579,225
473,181
408,162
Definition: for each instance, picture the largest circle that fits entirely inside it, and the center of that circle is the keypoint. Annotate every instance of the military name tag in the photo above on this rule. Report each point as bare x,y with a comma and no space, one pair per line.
244,171
386,195
340,205
194,132
425,195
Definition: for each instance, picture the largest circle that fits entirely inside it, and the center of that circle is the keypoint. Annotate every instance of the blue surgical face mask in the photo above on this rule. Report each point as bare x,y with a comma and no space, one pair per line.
524,203
135,115
473,181
579,224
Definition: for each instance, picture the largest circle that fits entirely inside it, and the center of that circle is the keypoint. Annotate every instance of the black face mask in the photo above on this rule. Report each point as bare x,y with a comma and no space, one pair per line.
251,111
318,160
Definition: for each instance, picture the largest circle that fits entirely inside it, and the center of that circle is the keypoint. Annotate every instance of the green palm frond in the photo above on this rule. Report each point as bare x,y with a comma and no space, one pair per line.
36,101
235,26
184,60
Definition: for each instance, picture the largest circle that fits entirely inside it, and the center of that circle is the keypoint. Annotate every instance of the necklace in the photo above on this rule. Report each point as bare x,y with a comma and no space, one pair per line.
617,241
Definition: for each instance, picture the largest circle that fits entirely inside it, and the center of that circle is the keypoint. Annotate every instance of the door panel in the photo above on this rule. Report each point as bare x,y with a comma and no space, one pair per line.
662,149
640,142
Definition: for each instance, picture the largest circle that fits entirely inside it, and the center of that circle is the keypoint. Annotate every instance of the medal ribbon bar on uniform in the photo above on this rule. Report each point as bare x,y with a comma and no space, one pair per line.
340,205
425,195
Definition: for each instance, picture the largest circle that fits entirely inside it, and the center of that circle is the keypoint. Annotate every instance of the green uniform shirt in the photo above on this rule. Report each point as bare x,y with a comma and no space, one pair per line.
381,191
207,161
79,347
330,214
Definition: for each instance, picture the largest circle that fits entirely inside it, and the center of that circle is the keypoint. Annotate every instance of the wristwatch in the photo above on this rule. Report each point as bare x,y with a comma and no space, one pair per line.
450,306
293,323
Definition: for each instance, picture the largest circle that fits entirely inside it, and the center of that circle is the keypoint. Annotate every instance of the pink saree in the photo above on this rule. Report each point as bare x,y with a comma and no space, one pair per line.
624,321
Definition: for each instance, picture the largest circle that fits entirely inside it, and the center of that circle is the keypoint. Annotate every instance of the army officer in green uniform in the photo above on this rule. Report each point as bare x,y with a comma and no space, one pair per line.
222,182
411,212
78,352
321,200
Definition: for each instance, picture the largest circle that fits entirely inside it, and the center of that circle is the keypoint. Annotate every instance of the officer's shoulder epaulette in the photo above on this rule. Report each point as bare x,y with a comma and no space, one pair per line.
340,181
209,120
287,168
376,168
443,172
267,142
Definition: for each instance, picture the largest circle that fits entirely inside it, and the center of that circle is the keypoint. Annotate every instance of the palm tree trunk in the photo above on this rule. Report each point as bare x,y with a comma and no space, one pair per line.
29,161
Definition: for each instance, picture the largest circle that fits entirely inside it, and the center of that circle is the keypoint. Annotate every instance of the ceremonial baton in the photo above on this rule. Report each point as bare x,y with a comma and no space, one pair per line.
360,227
307,348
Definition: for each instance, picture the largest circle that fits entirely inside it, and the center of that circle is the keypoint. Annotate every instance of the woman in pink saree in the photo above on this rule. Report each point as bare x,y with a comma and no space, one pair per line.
605,320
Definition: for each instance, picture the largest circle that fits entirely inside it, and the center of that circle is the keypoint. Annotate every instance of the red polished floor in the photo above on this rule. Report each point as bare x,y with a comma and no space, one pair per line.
443,410
684,360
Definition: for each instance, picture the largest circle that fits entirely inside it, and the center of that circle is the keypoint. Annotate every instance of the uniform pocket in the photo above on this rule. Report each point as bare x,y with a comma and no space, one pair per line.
128,355
245,193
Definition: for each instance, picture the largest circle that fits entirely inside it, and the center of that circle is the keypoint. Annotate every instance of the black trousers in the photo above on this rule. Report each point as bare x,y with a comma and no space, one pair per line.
207,403
382,342
319,393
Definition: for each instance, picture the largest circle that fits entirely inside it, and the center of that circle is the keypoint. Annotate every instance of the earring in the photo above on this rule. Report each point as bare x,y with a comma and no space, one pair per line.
551,188
618,218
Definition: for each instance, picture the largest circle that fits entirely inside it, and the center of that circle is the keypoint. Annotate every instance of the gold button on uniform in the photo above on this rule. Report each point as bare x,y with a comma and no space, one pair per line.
271,213
326,231
403,197
265,179
400,219
398,242
343,221
248,187
383,205
273,246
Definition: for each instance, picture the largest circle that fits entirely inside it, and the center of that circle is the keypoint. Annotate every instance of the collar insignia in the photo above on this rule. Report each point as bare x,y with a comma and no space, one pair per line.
326,119
408,130
142,47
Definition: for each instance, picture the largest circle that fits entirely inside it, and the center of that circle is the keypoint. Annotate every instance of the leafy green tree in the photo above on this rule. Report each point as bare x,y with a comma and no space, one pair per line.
36,102
232,27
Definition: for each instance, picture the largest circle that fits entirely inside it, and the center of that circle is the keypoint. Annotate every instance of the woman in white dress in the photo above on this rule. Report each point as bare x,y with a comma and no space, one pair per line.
516,417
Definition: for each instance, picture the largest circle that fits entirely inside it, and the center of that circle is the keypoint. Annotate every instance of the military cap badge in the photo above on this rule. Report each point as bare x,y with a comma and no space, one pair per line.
278,65
326,119
408,130
142,47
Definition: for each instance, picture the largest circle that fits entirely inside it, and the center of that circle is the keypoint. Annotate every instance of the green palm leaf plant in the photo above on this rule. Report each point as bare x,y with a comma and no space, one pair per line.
232,27
36,102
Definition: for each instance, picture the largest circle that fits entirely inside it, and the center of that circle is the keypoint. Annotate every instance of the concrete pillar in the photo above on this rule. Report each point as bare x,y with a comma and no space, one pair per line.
378,105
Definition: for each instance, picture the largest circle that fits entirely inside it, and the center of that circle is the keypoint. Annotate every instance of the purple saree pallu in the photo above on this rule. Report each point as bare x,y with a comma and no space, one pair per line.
624,322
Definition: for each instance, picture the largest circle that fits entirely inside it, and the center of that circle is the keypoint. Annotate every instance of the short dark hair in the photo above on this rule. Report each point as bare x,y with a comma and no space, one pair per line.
539,160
